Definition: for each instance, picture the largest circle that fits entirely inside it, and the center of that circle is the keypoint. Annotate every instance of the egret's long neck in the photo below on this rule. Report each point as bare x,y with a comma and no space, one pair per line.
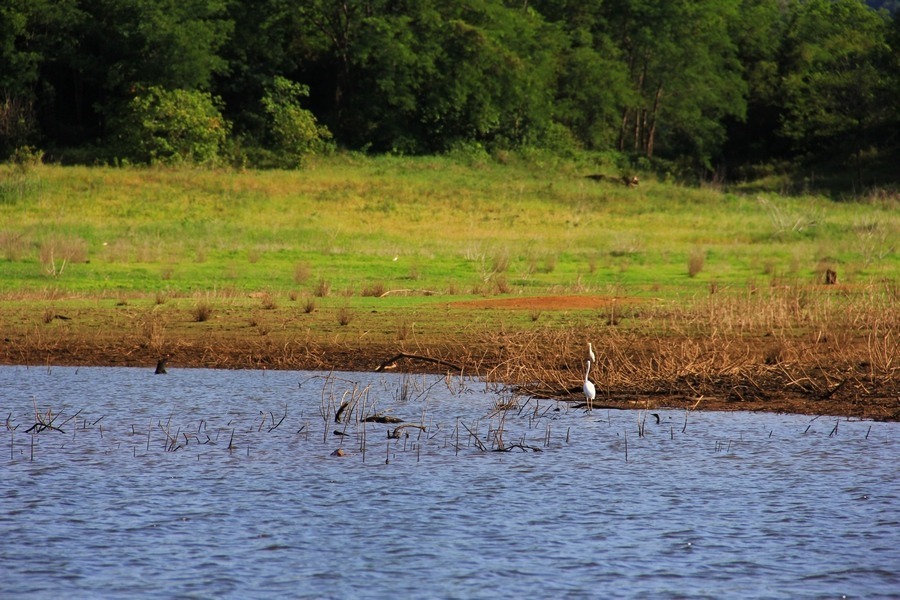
588,372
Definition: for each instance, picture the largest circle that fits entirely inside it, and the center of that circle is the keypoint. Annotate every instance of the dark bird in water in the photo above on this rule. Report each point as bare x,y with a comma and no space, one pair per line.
161,366
657,417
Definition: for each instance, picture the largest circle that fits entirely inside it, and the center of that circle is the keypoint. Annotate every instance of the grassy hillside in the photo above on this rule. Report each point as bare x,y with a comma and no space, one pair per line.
360,227
505,271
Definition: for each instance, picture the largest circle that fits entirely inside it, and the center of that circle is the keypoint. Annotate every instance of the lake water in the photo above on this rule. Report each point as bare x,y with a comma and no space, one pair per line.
222,484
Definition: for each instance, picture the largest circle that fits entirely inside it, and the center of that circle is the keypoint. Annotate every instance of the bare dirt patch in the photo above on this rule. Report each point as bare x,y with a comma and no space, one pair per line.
545,302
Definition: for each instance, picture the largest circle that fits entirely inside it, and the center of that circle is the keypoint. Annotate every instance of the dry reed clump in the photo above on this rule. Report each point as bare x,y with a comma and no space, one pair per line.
730,348
202,311
375,290
323,288
549,263
262,326
414,273
153,329
696,261
57,252
500,261
502,285
404,328
344,316
267,301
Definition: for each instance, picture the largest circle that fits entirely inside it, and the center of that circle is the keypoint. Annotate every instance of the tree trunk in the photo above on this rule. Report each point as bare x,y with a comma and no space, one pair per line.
623,128
651,134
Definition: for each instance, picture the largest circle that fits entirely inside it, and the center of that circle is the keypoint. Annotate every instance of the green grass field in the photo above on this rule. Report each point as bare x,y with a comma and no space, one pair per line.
686,293
360,227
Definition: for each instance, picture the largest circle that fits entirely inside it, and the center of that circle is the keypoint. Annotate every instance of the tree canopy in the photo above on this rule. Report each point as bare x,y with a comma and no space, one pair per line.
697,83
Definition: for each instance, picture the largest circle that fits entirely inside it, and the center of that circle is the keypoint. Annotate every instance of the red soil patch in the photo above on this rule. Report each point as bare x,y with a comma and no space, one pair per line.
544,302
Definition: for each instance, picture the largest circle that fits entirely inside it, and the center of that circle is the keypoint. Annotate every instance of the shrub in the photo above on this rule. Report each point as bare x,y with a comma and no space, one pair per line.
375,290
344,316
173,127
323,288
202,312
295,131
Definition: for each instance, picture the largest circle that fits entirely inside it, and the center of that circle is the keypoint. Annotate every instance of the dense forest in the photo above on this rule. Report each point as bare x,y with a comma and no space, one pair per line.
702,86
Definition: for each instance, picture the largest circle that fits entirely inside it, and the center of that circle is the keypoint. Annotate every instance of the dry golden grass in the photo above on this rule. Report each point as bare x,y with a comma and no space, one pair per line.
818,349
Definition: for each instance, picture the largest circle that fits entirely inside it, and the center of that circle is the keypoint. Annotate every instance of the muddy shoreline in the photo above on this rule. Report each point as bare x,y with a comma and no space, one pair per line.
848,398
535,346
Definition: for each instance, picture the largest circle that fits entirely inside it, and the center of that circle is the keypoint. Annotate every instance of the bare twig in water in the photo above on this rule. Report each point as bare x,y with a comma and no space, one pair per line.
474,436
396,433
523,447
280,421
377,418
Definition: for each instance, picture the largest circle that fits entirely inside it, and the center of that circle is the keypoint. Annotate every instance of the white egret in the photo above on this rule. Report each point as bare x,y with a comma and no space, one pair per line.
589,392
591,356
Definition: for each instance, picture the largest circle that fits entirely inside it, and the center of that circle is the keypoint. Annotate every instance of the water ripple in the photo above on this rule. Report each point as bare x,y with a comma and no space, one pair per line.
184,486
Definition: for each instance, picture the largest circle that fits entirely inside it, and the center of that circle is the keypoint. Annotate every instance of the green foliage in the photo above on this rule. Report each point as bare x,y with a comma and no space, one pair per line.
19,64
172,127
295,130
837,91
695,83
684,74
32,32
170,43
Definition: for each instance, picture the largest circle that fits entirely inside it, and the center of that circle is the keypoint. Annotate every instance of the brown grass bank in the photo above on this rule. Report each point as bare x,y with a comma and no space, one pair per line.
809,349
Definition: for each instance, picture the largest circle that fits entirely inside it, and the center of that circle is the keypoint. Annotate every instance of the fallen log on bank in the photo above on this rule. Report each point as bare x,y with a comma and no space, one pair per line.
391,362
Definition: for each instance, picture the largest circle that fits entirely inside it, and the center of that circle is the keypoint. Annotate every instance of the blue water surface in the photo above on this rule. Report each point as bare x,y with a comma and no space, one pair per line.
118,483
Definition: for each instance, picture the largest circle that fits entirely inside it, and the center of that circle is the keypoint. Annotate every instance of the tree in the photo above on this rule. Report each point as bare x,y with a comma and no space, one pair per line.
423,75
107,49
16,80
835,86
35,35
260,48
592,87
169,43
173,127
758,32
497,69
295,130
684,73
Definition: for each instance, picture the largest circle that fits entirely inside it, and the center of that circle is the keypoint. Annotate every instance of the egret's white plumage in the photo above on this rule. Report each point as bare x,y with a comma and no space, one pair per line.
589,392
591,356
